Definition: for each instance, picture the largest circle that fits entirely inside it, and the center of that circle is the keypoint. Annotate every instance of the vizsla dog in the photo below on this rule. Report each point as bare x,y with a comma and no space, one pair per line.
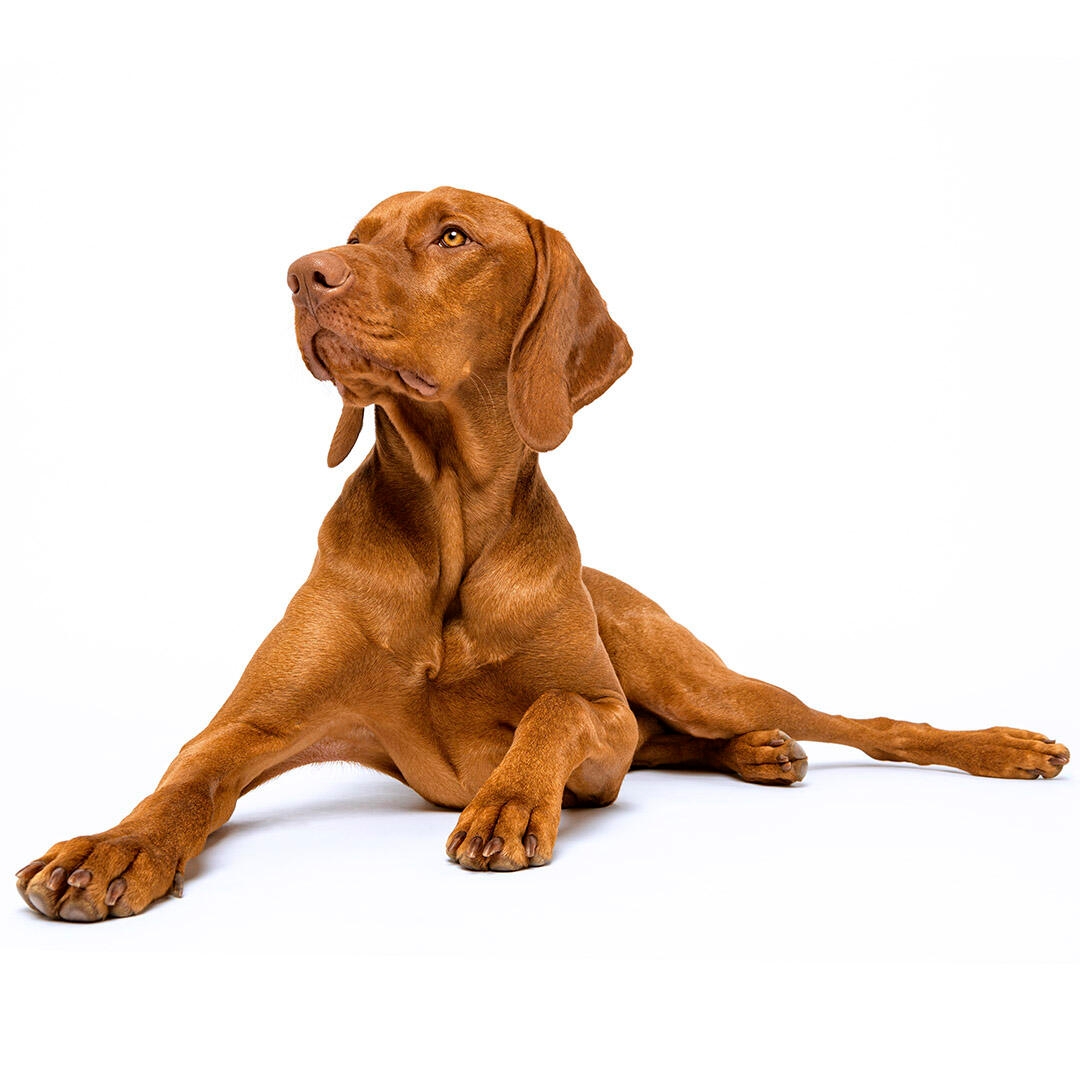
448,634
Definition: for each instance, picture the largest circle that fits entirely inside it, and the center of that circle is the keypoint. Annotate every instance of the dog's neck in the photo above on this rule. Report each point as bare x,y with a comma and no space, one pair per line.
469,434
462,470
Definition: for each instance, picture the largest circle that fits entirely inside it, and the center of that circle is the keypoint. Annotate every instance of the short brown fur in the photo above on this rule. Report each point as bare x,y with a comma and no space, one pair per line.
447,634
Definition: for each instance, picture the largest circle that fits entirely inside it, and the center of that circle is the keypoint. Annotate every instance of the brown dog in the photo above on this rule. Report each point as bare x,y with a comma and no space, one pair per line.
448,634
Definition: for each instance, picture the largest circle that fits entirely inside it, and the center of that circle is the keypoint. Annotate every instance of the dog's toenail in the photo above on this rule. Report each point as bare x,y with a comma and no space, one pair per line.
786,767
80,879
177,889
114,891
782,757
776,742
56,878
454,842
531,846
1059,761
493,846
30,869
476,845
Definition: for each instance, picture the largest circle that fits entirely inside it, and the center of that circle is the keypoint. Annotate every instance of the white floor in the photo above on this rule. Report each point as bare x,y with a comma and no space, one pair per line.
864,900
861,861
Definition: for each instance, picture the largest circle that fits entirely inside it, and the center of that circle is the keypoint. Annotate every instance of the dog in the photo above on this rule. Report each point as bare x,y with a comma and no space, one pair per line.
448,635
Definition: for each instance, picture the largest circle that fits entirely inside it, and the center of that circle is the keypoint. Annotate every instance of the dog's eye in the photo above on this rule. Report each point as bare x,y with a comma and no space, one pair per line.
452,238
352,240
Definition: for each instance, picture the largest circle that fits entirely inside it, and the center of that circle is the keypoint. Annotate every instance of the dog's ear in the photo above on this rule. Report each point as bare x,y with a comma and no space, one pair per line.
568,349
345,434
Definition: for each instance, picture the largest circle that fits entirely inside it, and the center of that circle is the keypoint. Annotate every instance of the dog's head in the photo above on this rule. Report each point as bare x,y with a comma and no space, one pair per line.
434,288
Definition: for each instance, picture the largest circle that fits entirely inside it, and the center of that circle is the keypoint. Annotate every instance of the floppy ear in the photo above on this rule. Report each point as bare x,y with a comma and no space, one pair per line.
345,434
568,350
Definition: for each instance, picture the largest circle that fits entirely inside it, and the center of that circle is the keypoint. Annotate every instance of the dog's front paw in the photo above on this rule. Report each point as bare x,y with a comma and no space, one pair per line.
92,877
504,830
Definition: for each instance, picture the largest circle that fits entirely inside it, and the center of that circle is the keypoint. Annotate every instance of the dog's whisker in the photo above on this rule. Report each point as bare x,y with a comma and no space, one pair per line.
485,390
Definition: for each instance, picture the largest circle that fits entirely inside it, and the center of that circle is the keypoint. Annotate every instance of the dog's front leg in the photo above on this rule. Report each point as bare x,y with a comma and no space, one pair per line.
281,705
564,744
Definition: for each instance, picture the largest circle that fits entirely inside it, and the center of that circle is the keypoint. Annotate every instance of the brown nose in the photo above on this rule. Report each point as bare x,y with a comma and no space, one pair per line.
315,278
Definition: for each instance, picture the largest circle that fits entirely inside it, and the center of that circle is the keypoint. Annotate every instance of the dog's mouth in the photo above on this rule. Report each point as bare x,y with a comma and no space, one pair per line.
326,353
314,364
420,383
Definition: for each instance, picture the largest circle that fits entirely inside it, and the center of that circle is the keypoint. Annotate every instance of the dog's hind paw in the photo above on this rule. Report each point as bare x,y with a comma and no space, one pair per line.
764,757
1009,753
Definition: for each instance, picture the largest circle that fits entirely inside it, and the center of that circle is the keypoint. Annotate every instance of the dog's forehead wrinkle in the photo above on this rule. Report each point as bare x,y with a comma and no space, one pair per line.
384,214
394,202
442,211
409,213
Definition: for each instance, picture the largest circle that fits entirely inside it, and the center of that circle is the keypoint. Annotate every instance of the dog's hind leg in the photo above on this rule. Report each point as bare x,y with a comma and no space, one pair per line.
762,757
667,672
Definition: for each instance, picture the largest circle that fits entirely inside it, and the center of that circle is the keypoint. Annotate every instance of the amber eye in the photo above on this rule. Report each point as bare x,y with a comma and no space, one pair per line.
452,238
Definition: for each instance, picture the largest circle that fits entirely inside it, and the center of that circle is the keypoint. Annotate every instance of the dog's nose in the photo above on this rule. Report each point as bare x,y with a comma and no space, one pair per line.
314,278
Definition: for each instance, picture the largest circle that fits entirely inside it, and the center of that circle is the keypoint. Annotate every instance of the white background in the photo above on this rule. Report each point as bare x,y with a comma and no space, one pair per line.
843,242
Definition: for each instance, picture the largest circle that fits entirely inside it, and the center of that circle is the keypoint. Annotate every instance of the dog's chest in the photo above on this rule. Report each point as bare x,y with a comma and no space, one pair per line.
453,689
459,652
451,719
489,621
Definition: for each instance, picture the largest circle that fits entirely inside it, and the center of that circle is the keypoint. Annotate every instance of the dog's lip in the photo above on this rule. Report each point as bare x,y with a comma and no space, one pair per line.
317,367
314,364
422,384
